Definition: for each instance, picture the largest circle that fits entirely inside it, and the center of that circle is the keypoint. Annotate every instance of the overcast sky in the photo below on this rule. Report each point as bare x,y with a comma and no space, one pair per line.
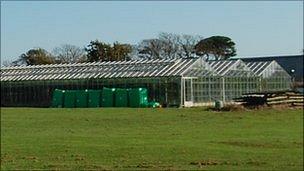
258,28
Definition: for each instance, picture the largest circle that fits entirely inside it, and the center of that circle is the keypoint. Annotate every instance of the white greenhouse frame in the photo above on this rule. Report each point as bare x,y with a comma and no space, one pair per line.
272,76
174,82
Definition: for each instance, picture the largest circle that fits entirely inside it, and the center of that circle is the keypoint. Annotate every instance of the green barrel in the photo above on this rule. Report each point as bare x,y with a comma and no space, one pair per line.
69,99
138,97
57,100
143,94
94,98
218,104
107,97
81,98
121,97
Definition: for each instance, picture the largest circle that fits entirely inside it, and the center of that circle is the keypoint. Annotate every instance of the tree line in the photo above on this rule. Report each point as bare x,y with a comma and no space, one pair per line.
164,46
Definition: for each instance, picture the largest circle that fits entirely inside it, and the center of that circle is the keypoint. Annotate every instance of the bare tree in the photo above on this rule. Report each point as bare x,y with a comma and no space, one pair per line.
187,44
69,54
168,46
151,49
7,63
10,63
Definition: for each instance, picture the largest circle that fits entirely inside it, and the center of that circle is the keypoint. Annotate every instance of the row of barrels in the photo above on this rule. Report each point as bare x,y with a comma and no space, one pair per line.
106,97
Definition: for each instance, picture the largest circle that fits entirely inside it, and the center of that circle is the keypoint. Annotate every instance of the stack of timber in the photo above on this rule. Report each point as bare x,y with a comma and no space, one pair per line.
271,98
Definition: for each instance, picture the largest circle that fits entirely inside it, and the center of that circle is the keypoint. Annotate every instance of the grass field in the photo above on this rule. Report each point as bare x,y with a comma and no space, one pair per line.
154,139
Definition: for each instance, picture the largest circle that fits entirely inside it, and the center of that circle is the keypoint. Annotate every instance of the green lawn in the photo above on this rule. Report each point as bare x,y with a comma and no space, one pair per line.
154,139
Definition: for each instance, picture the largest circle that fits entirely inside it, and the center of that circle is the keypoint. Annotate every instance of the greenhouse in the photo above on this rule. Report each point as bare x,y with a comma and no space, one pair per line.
272,76
233,78
174,82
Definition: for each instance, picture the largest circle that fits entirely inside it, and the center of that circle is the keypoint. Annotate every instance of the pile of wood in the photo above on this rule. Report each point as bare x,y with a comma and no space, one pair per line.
271,98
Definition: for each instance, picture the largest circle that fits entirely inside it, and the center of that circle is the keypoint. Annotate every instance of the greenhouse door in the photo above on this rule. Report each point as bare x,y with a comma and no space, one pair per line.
188,93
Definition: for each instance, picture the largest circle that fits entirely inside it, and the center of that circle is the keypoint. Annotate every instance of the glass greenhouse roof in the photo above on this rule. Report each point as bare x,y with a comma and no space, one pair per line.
266,69
117,69
231,68
194,67
258,67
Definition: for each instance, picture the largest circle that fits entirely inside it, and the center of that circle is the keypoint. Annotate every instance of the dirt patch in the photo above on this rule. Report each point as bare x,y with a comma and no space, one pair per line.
31,158
297,144
205,162
94,167
75,167
233,108
144,166
209,162
6,158
77,157
274,106
55,166
239,107
251,144
234,163
256,163
149,166
228,108
140,165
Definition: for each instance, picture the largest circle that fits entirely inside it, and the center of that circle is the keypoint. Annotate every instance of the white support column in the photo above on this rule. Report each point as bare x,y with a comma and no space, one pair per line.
192,99
224,93
181,92
209,89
